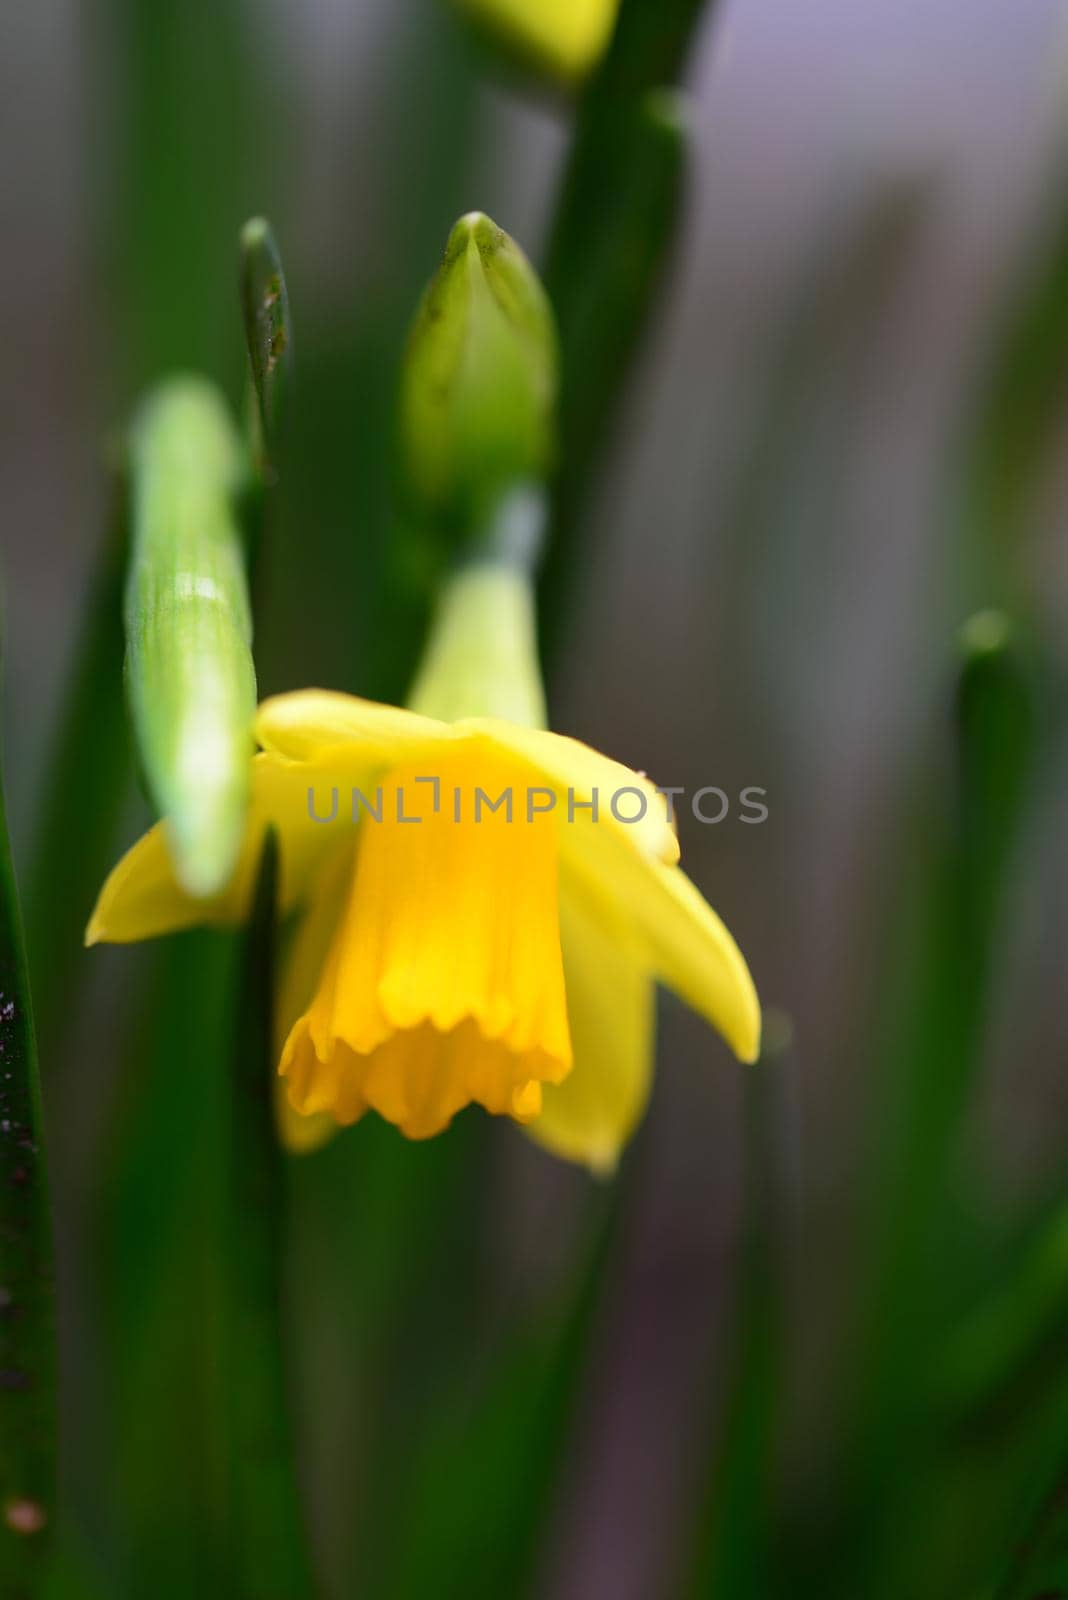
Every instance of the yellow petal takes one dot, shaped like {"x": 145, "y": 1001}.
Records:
{"x": 444, "y": 983}
{"x": 610, "y": 1006}
{"x": 337, "y": 733}
{"x": 315, "y": 725}
{"x": 300, "y": 968}
{"x": 142, "y": 898}
{"x": 627, "y": 803}
{"x": 567, "y": 37}
{"x": 678, "y": 937}
{"x": 299, "y": 1134}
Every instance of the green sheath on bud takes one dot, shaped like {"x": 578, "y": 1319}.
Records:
{"x": 480, "y": 379}
{"x": 189, "y": 668}
{"x": 265, "y": 308}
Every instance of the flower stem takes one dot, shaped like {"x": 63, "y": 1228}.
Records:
{"x": 481, "y": 657}
{"x": 615, "y": 223}
{"x": 268, "y": 1549}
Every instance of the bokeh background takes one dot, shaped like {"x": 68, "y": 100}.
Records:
{"x": 842, "y": 436}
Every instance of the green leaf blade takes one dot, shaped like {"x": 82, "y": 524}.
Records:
{"x": 27, "y": 1314}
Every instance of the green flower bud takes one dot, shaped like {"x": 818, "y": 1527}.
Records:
{"x": 563, "y": 39}
{"x": 189, "y": 671}
{"x": 480, "y": 380}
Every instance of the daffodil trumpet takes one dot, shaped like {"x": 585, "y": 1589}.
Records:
{"x": 448, "y": 950}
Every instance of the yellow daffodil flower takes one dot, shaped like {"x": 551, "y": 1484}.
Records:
{"x": 488, "y": 930}
{"x": 564, "y": 38}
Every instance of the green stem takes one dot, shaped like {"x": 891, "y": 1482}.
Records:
{"x": 650, "y": 47}
{"x": 931, "y": 1072}
{"x": 268, "y": 1546}
{"x": 615, "y": 222}
{"x": 27, "y": 1314}
{"x": 481, "y": 656}
{"x": 87, "y": 782}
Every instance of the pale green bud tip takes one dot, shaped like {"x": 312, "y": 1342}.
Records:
{"x": 987, "y": 633}
{"x": 185, "y": 424}
{"x": 480, "y": 378}
{"x": 256, "y": 234}
{"x": 671, "y": 111}
{"x": 265, "y": 307}
{"x": 189, "y": 670}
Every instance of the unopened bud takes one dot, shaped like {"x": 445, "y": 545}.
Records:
{"x": 480, "y": 380}
{"x": 189, "y": 669}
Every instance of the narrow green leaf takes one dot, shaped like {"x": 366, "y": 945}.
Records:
{"x": 1018, "y": 1327}
{"x": 189, "y": 669}
{"x": 160, "y": 1253}
{"x": 27, "y": 1314}
{"x": 930, "y": 1074}
{"x": 268, "y": 336}
{"x": 363, "y": 1298}
{"x": 491, "y": 1447}
{"x": 1040, "y": 1571}
{"x": 88, "y": 777}
{"x": 734, "y": 1552}
{"x": 997, "y": 713}
{"x": 1020, "y": 410}
{"x": 938, "y": 1056}
{"x": 190, "y": 144}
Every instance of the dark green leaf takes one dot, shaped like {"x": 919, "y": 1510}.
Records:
{"x": 490, "y": 1450}
{"x": 734, "y": 1554}
{"x": 266, "y": 1527}
{"x": 88, "y": 778}
{"x": 27, "y": 1311}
